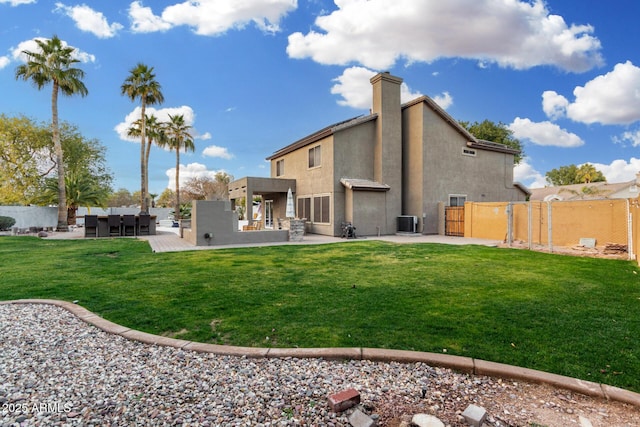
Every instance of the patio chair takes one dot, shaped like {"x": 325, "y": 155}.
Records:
{"x": 114, "y": 226}
{"x": 144, "y": 222}
{"x": 128, "y": 225}
{"x": 91, "y": 226}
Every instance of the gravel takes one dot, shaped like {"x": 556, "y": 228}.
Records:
{"x": 56, "y": 370}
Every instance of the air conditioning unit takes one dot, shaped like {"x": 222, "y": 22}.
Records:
{"x": 407, "y": 223}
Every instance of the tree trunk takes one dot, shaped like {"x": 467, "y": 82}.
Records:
{"x": 72, "y": 215}
{"x": 177, "y": 215}
{"x": 57, "y": 146}
{"x": 148, "y": 201}
{"x": 144, "y": 208}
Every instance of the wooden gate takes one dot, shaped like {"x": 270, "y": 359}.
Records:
{"x": 454, "y": 221}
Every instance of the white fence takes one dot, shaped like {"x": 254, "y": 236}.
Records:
{"x": 47, "y": 217}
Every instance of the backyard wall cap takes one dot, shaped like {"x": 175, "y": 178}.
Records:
{"x": 457, "y": 363}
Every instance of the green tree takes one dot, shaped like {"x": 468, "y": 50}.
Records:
{"x": 53, "y": 63}
{"x": 81, "y": 189}
{"x": 588, "y": 173}
{"x": 25, "y": 159}
{"x": 166, "y": 198}
{"x": 153, "y": 130}
{"x": 121, "y": 197}
{"x": 85, "y": 158}
{"x": 572, "y": 174}
{"x": 141, "y": 84}
{"x": 500, "y": 133}
{"x": 178, "y": 137}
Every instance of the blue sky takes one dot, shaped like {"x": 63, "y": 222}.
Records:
{"x": 253, "y": 76}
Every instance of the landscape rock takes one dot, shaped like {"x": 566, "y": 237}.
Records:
{"x": 425, "y": 420}
{"x": 474, "y": 415}
{"x": 360, "y": 419}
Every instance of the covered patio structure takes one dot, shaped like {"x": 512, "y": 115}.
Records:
{"x": 274, "y": 197}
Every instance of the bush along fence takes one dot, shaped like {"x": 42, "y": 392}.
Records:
{"x": 607, "y": 225}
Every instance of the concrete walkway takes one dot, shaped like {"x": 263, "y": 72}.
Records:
{"x": 167, "y": 240}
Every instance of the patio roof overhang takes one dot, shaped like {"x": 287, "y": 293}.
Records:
{"x": 255, "y": 185}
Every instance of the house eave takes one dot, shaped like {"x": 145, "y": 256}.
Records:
{"x": 321, "y": 134}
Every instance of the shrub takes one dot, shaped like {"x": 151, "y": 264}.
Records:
{"x": 6, "y": 222}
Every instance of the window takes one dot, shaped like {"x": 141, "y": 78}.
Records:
{"x": 321, "y": 212}
{"x": 280, "y": 167}
{"x": 314, "y": 157}
{"x": 468, "y": 152}
{"x": 304, "y": 207}
{"x": 457, "y": 200}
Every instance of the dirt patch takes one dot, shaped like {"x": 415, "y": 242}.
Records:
{"x": 510, "y": 403}
{"x": 577, "y": 250}
{"x": 171, "y": 334}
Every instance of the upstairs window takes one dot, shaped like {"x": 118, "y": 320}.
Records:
{"x": 280, "y": 167}
{"x": 314, "y": 157}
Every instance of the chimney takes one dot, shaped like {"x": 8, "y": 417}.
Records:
{"x": 387, "y": 166}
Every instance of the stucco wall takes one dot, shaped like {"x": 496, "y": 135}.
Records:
{"x": 31, "y": 216}
{"x": 312, "y": 182}
{"x": 446, "y": 171}
{"x": 43, "y": 216}
{"x": 214, "y": 223}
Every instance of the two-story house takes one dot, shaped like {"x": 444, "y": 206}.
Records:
{"x": 402, "y": 160}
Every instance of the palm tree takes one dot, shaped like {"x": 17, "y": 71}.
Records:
{"x": 141, "y": 84}
{"x": 81, "y": 189}
{"x": 154, "y": 132}
{"x": 177, "y": 137}
{"x": 53, "y": 63}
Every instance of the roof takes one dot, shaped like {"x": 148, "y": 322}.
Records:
{"x": 473, "y": 142}
{"x": 363, "y": 184}
{"x": 590, "y": 190}
{"x": 321, "y": 134}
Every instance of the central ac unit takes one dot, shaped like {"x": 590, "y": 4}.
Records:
{"x": 407, "y": 223}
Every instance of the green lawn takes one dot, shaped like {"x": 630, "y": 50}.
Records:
{"x": 573, "y": 316}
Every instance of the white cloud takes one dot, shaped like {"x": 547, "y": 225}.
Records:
{"x": 89, "y": 20}
{"x": 554, "y": 105}
{"x": 144, "y": 21}
{"x": 204, "y": 136}
{"x": 619, "y": 170}
{"x": 4, "y": 61}
{"x": 17, "y": 2}
{"x": 192, "y": 170}
{"x": 445, "y": 100}
{"x": 215, "y": 151}
{"x": 32, "y": 46}
{"x": 630, "y": 136}
{"x": 526, "y": 174}
{"x": 354, "y": 87}
{"x": 161, "y": 114}
{"x": 612, "y": 98}
{"x": 544, "y": 133}
{"x": 511, "y": 33}
{"x": 213, "y": 17}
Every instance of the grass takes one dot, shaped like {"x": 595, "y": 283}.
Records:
{"x": 572, "y": 316}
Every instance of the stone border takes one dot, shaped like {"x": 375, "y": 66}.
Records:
{"x": 457, "y": 363}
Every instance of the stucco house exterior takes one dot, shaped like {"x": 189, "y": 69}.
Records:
{"x": 402, "y": 160}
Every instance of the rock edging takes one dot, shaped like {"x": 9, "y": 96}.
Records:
{"x": 457, "y": 363}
